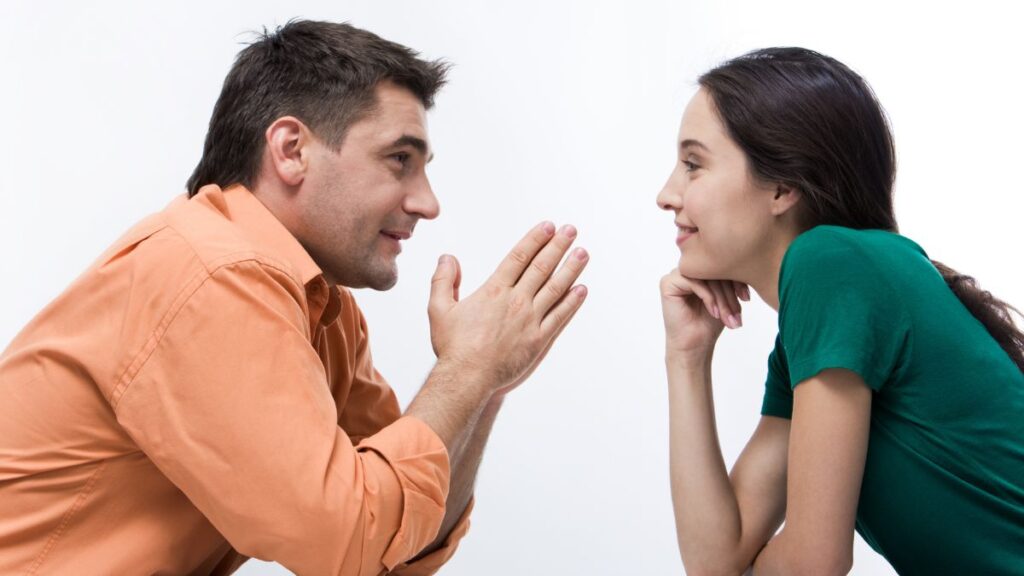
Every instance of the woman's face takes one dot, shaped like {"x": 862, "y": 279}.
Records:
{"x": 725, "y": 218}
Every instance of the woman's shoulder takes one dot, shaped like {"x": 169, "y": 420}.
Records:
{"x": 831, "y": 259}
{"x": 830, "y": 246}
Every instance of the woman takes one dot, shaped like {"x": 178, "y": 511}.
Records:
{"x": 894, "y": 402}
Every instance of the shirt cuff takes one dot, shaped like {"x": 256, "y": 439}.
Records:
{"x": 419, "y": 460}
{"x": 430, "y": 563}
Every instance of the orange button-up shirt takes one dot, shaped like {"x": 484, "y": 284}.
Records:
{"x": 199, "y": 395}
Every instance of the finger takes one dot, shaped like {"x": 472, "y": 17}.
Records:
{"x": 735, "y": 292}
{"x": 728, "y": 304}
{"x": 731, "y": 294}
{"x": 458, "y": 279}
{"x": 719, "y": 308}
{"x": 722, "y": 302}
{"x": 556, "y": 287}
{"x": 546, "y": 261}
{"x": 727, "y": 301}
{"x": 558, "y": 332}
{"x": 444, "y": 284}
{"x": 742, "y": 291}
{"x": 512, "y": 267}
{"x": 559, "y": 316}
{"x": 551, "y": 338}
{"x": 676, "y": 285}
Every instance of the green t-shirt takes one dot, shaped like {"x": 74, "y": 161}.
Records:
{"x": 943, "y": 488}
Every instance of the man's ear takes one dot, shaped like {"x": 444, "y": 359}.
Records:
{"x": 786, "y": 197}
{"x": 288, "y": 149}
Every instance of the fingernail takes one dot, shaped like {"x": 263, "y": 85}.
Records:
{"x": 444, "y": 259}
{"x": 746, "y": 293}
{"x": 580, "y": 290}
{"x": 569, "y": 230}
{"x": 735, "y": 321}
{"x": 548, "y": 228}
{"x": 580, "y": 254}
{"x": 715, "y": 312}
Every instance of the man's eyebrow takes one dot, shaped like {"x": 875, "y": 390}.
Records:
{"x": 691, "y": 143}
{"x": 415, "y": 141}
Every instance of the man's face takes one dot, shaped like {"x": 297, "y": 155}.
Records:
{"x": 360, "y": 202}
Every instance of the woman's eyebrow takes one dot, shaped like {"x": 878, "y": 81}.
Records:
{"x": 691, "y": 143}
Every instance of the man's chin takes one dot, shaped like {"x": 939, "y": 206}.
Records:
{"x": 380, "y": 280}
{"x": 385, "y": 285}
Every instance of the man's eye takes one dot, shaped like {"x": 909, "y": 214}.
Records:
{"x": 402, "y": 157}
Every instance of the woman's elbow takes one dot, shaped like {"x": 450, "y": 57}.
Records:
{"x": 714, "y": 564}
{"x": 807, "y": 563}
{"x": 833, "y": 566}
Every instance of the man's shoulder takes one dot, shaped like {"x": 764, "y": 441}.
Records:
{"x": 197, "y": 231}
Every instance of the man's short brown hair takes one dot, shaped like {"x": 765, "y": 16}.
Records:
{"x": 323, "y": 73}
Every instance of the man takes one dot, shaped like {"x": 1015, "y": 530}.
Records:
{"x": 204, "y": 392}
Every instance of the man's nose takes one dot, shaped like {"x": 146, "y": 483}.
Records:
{"x": 423, "y": 202}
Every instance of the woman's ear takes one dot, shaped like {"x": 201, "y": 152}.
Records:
{"x": 786, "y": 197}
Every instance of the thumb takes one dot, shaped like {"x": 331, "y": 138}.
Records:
{"x": 458, "y": 278}
{"x": 444, "y": 285}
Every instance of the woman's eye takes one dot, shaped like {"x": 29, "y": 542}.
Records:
{"x": 690, "y": 166}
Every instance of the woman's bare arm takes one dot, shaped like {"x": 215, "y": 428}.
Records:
{"x": 827, "y": 449}
{"x": 722, "y": 520}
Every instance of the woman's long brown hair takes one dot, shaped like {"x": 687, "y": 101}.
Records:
{"x": 808, "y": 121}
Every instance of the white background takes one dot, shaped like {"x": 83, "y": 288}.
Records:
{"x": 561, "y": 111}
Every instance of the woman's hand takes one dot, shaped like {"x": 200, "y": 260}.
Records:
{"x": 695, "y": 311}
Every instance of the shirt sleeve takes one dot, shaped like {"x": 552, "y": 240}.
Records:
{"x": 778, "y": 395}
{"x": 838, "y": 311}
{"x": 231, "y": 403}
{"x": 371, "y": 405}
{"x": 432, "y": 562}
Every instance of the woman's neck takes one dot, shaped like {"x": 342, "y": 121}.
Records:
{"x": 765, "y": 281}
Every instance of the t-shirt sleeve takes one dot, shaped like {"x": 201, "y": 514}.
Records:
{"x": 778, "y": 396}
{"x": 838, "y": 310}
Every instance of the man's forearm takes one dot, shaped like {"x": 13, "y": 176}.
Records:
{"x": 464, "y": 469}
{"x": 462, "y": 414}
{"x": 450, "y": 402}
{"x": 465, "y": 463}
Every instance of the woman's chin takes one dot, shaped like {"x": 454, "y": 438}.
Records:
{"x": 690, "y": 269}
{"x": 694, "y": 270}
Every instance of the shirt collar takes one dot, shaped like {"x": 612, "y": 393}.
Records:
{"x": 263, "y": 229}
